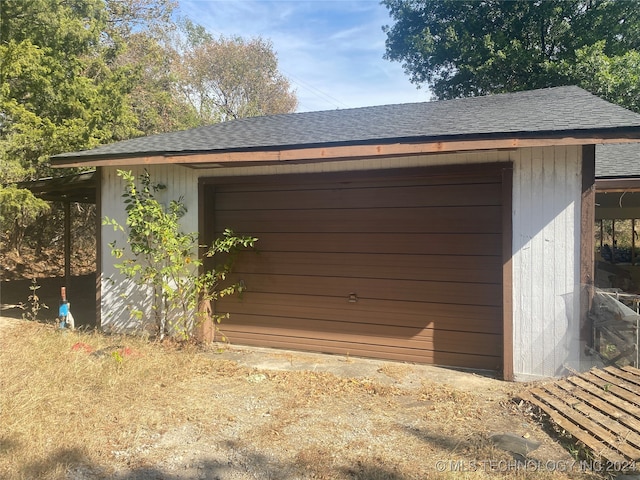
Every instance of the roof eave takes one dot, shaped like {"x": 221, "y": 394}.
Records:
{"x": 358, "y": 149}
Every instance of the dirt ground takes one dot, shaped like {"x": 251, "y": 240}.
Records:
{"x": 248, "y": 413}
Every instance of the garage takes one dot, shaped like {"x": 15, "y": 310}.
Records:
{"x": 398, "y": 264}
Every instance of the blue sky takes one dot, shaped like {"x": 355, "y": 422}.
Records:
{"x": 331, "y": 50}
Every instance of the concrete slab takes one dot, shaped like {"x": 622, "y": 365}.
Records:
{"x": 402, "y": 374}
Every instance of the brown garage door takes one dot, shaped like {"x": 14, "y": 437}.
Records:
{"x": 403, "y": 265}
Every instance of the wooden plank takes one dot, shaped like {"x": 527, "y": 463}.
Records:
{"x": 599, "y": 448}
{"x": 612, "y": 388}
{"x": 603, "y": 406}
{"x": 628, "y": 376}
{"x": 332, "y": 153}
{"x": 618, "y": 382}
{"x": 630, "y": 369}
{"x": 470, "y": 219}
{"x": 580, "y": 422}
{"x": 606, "y": 395}
{"x": 620, "y": 437}
{"x": 587, "y": 241}
{"x": 507, "y": 273}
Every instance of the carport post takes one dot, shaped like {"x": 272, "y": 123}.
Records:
{"x": 67, "y": 242}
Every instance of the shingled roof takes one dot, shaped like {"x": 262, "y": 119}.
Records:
{"x": 618, "y": 160}
{"x": 536, "y": 113}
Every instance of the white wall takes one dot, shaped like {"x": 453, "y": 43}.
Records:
{"x": 546, "y": 216}
{"x": 546, "y": 267}
{"x": 119, "y": 294}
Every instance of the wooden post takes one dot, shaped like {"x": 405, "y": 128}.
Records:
{"x": 633, "y": 241}
{"x": 67, "y": 242}
{"x": 613, "y": 241}
{"x": 587, "y": 241}
{"x": 601, "y": 234}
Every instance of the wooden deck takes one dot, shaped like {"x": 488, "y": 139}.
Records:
{"x": 601, "y": 408}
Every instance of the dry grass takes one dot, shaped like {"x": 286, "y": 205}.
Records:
{"x": 62, "y": 405}
{"x": 76, "y": 405}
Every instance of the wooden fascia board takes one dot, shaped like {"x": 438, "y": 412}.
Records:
{"x": 618, "y": 185}
{"x": 343, "y": 152}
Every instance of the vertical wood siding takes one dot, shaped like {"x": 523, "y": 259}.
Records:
{"x": 118, "y": 294}
{"x": 546, "y": 249}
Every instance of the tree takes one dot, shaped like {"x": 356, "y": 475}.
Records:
{"x": 468, "y": 48}
{"x": 614, "y": 78}
{"x": 18, "y": 209}
{"x": 82, "y": 73}
{"x": 57, "y": 92}
{"x": 70, "y": 79}
{"x": 229, "y": 78}
{"x": 142, "y": 33}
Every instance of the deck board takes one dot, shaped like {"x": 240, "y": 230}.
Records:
{"x": 600, "y": 408}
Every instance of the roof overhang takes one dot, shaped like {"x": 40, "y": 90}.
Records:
{"x": 370, "y": 149}
{"x": 80, "y": 188}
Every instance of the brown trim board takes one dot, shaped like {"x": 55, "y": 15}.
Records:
{"x": 587, "y": 239}
{"x": 507, "y": 274}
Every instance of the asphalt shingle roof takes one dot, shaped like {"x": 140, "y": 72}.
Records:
{"x": 530, "y": 112}
{"x": 618, "y": 160}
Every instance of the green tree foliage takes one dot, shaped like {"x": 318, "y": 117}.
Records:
{"x": 468, "y": 48}
{"x": 614, "y": 78}
{"x": 57, "y": 91}
{"x": 77, "y": 74}
{"x": 165, "y": 260}
{"x": 60, "y": 90}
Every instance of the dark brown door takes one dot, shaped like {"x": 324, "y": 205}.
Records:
{"x": 398, "y": 265}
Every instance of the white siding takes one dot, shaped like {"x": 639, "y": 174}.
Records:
{"x": 546, "y": 215}
{"x": 546, "y": 251}
{"x": 119, "y": 294}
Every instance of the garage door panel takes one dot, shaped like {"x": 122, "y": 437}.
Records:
{"x": 475, "y": 219}
{"x": 468, "y": 318}
{"x": 401, "y": 353}
{"x": 381, "y": 243}
{"x": 387, "y": 335}
{"x": 407, "y": 290}
{"x": 359, "y": 197}
{"x": 352, "y": 182}
{"x": 475, "y": 269}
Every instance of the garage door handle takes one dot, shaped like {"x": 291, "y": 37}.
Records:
{"x": 353, "y": 298}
